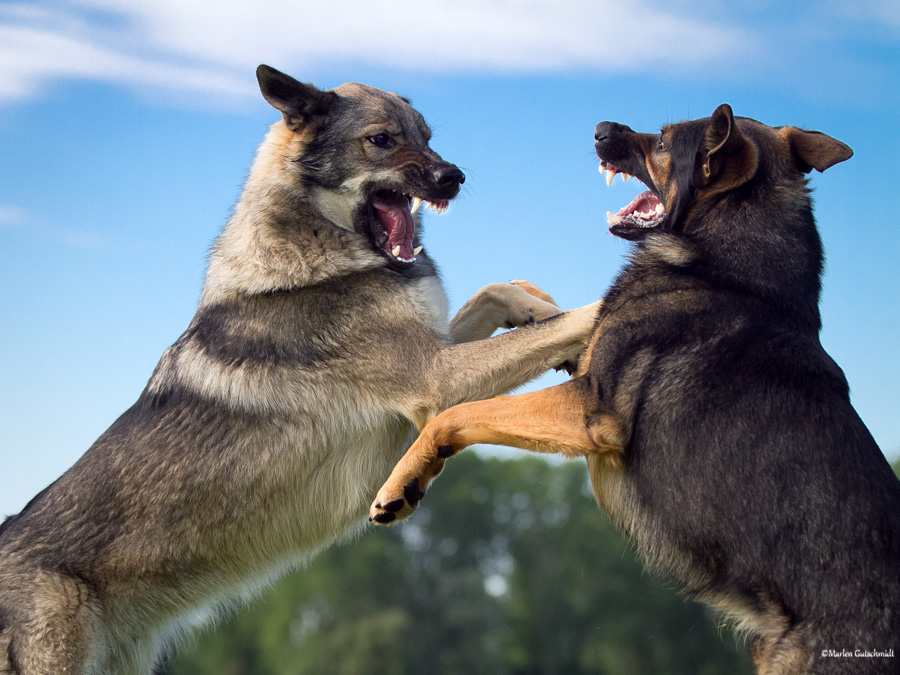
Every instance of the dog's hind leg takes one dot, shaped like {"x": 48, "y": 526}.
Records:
{"x": 553, "y": 420}
{"x": 53, "y": 633}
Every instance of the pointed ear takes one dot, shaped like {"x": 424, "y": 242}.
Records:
{"x": 720, "y": 140}
{"x": 726, "y": 155}
{"x": 301, "y": 104}
{"x": 815, "y": 150}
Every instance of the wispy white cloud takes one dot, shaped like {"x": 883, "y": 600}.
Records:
{"x": 41, "y": 44}
{"x": 429, "y": 34}
{"x": 209, "y": 48}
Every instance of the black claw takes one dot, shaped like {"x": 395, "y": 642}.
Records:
{"x": 384, "y": 518}
{"x": 412, "y": 492}
{"x": 445, "y": 451}
{"x": 569, "y": 366}
{"x": 394, "y": 506}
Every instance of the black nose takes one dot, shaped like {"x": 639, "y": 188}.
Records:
{"x": 449, "y": 175}
{"x": 605, "y": 130}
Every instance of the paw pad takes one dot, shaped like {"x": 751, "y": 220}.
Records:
{"x": 412, "y": 492}
{"x": 393, "y": 506}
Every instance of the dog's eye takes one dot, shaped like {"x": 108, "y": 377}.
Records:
{"x": 661, "y": 146}
{"x": 380, "y": 140}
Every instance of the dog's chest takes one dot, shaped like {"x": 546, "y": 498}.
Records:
{"x": 429, "y": 298}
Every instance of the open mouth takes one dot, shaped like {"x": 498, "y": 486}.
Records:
{"x": 392, "y": 225}
{"x": 644, "y": 214}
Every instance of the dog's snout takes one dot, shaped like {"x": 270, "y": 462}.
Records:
{"x": 449, "y": 175}
{"x": 606, "y": 130}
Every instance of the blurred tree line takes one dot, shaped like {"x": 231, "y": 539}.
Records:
{"x": 508, "y": 567}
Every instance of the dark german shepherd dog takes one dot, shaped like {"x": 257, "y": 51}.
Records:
{"x": 718, "y": 433}
{"x": 320, "y": 345}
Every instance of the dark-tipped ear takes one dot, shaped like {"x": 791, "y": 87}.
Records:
{"x": 301, "y": 104}
{"x": 726, "y": 155}
{"x": 815, "y": 150}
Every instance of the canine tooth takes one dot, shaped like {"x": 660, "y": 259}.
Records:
{"x": 610, "y": 174}
{"x": 625, "y": 177}
{"x": 414, "y": 204}
{"x": 612, "y": 218}
{"x": 659, "y": 208}
{"x": 396, "y": 252}
{"x": 417, "y": 250}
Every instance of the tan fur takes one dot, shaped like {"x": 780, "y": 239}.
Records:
{"x": 552, "y": 420}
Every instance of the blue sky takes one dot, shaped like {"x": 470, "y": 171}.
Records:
{"x": 127, "y": 126}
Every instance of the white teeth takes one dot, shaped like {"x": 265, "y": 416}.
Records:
{"x": 613, "y": 219}
{"x": 437, "y": 208}
{"x": 396, "y": 253}
{"x": 624, "y": 177}
{"x": 659, "y": 208}
{"x": 414, "y": 204}
{"x": 609, "y": 177}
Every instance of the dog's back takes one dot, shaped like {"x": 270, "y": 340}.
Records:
{"x": 748, "y": 476}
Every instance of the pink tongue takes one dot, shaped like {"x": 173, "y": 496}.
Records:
{"x": 646, "y": 201}
{"x": 397, "y": 223}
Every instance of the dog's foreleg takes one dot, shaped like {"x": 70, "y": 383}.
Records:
{"x": 481, "y": 369}
{"x": 553, "y": 420}
{"x": 494, "y": 306}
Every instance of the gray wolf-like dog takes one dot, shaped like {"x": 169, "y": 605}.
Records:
{"x": 319, "y": 348}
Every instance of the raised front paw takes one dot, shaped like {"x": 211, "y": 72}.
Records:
{"x": 405, "y": 487}
{"x": 523, "y": 303}
{"x": 395, "y": 503}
